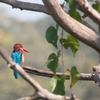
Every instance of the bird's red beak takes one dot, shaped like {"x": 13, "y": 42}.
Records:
{"x": 25, "y": 50}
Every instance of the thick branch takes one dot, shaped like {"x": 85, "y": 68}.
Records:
{"x": 70, "y": 25}
{"x": 85, "y": 7}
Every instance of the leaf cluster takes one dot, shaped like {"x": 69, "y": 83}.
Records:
{"x": 57, "y": 83}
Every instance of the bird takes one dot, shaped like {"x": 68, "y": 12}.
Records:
{"x": 17, "y": 56}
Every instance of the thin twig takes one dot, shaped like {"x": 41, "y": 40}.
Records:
{"x": 35, "y": 71}
{"x": 62, "y": 51}
{"x": 99, "y": 36}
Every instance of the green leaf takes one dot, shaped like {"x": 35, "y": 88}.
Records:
{"x": 74, "y": 76}
{"x": 52, "y": 36}
{"x": 75, "y": 15}
{"x": 72, "y": 5}
{"x": 96, "y": 7}
{"x": 99, "y": 7}
{"x": 52, "y": 62}
{"x": 59, "y": 53}
{"x": 57, "y": 84}
{"x": 70, "y": 42}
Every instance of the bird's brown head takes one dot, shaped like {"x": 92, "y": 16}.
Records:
{"x": 18, "y": 47}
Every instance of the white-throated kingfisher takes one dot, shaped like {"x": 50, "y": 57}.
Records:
{"x": 18, "y": 56}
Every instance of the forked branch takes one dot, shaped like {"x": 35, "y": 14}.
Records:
{"x": 71, "y": 26}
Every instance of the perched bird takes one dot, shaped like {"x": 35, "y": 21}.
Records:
{"x": 18, "y": 56}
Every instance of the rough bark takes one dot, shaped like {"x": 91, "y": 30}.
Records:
{"x": 73, "y": 27}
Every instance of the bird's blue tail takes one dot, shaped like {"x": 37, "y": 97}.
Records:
{"x": 16, "y": 74}
{"x": 16, "y": 56}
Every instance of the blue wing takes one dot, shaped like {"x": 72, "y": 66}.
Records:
{"x": 16, "y": 56}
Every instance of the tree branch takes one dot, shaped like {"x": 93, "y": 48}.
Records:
{"x": 73, "y": 97}
{"x": 31, "y": 70}
{"x": 73, "y": 27}
{"x": 26, "y": 6}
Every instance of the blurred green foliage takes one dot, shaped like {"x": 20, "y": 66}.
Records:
{"x": 32, "y": 36}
